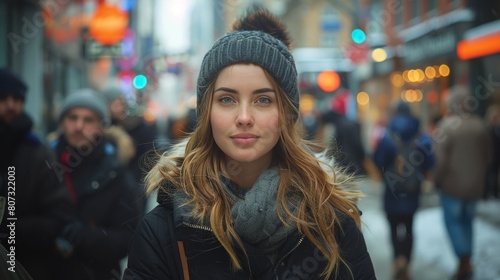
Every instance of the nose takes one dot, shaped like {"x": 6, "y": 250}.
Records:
{"x": 245, "y": 116}
{"x": 79, "y": 124}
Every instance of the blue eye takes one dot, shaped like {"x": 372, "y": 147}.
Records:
{"x": 225, "y": 99}
{"x": 264, "y": 100}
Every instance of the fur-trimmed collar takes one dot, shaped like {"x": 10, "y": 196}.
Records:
{"x": 347, "y": 182}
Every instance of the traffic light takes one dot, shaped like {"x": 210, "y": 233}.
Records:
{"x": 140, "y": 81}
{"x": 358, "y": 36}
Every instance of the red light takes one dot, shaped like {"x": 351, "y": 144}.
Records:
{"x": 432, "y": 97}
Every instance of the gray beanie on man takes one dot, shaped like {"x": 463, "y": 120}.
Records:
{"x": 255, "y": 47}
{"x": 86, "y": 98}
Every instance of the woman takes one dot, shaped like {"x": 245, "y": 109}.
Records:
{"x": 243, "y": 197}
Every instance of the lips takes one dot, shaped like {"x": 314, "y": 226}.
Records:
{"x": 244, "y": 138}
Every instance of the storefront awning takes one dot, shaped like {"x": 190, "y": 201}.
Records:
{"x": 480, "y": 41}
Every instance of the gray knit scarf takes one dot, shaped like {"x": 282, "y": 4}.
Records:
{"x": 255, "y": 218}
{"x": 254, "y": 215}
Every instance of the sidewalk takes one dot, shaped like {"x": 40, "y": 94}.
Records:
{"x": 433, "y": 257}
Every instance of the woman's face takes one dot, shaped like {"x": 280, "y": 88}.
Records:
{"x": 244, "y": 114}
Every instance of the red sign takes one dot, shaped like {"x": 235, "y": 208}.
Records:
{"x": 109, "y": 24}
{"x": 357, "y": 53}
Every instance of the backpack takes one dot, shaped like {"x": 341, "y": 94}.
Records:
{"x": 404, "y": 175}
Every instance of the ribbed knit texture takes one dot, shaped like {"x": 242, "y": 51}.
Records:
{"x": 255, "y": 47}
{"x": 255, "y": 218}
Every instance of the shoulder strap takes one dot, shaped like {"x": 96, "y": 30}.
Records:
{"x": 399, "y": 142}
{"x": 180, "y": 259}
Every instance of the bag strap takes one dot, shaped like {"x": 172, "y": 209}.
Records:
{"x": 396, "y": 139}
{"x": 181, "y": 265}
{"x": 182, "y": 254}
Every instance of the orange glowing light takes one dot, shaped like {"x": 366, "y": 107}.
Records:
{"x": 328, "y": 81}
{"x": 478, "y": 47}
{"x": 108, "y": 25}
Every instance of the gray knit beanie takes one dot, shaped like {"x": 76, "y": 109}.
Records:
{"x": 86, "y": 98}
{"x": 250, "y": 46}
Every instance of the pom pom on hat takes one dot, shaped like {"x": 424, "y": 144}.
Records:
{"x": 262, "y": 20}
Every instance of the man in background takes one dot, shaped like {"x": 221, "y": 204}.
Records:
{"x": 41, "y": 203}
{"x": 107, "y": 202}
{"x": 143, "y": 134}
{"x": 346, "y": 143}
{"x": 463, "y": 152}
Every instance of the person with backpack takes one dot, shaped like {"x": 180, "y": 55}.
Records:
{"x": 404, "y": 157}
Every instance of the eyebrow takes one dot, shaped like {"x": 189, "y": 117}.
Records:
{"x": 230, "y": 90}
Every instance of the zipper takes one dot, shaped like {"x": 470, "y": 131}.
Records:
{"x": 197, "y": 226}
{"x": 277, "y": 264}
{"x": 286, "y": 255}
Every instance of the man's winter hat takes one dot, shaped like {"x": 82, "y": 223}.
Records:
{"x": 86, "y": 98}
{"x": 258, "y": 38}
{"x": 10, "y": 83}
{"x": 113, "y": 93}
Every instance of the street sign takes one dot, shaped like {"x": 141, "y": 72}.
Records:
{"x": 95, "y": 50}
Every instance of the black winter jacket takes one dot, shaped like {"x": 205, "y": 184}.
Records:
{"x": 108, "y": 206}
{"x": 42, "y": 204}
{"x": 152, "y": 254}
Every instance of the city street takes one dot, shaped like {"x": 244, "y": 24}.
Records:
{"x": 433, "y": 257}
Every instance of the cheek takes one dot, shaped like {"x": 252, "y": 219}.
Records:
{"x": 218, "y": 122}
{"x": 271, "y": 124}
{"x": 215, "y": 124}
{"x": 19, "y": 107}
{"x": 63, "y": 126}
{"x": 92, "y": 130}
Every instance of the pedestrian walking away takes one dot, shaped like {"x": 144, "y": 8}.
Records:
{"x": 405, "y": 158}
{"x": 463, "y": 154}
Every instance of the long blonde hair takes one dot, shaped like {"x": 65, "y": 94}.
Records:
{"x": 197, "y": 173}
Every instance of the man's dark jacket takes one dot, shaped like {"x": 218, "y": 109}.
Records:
{"x": 42, "y": 204}
{"x": 107, "y": 204}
